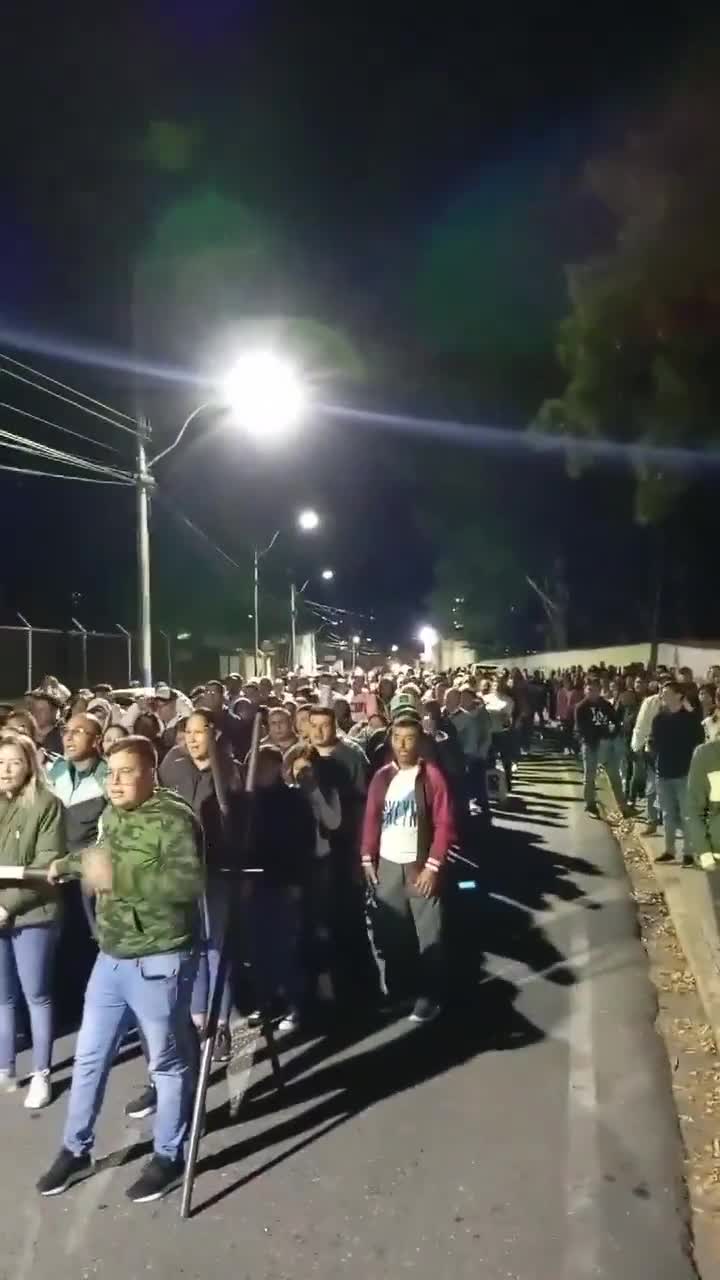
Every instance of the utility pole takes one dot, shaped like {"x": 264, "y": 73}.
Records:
{"x": 143, "y": 484}
{"x": 293, "y": 627}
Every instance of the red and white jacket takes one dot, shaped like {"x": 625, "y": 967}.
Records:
{"x": 436, "y": 818}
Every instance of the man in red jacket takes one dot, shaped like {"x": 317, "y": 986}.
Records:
{"x": 409, "y": 827}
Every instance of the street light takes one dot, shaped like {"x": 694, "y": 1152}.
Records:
{"x": 266, "y": 396}
{"x": 429, "y": 638}
{"x": 327, "y": 575}
{"x": 394, "y": 648}
{"x": 308, "y": 520}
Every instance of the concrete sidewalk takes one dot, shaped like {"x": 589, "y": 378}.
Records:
{"x": 689, "y": 900}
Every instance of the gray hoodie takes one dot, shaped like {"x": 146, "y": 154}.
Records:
{"x": 474, "y": 731}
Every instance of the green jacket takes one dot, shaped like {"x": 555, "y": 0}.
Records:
{"x": 31, "y": 835}
{"x": 703, "y": 800}
{"x": 157, "y": 873}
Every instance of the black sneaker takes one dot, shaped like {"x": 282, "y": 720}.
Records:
{"x": 223, "y": 1045}
{"x": 593, "y": 809}
{"x": 425, "y": 1011}
{"x": 665, "y": 857}
{"x": 688, "y": 860}
{"x": 159, "y": 1176}
{"x": 64, "y": 1171}
{"x": 143, "y": 1106}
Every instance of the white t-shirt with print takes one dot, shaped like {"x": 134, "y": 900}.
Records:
{"x": 399, "y": 833}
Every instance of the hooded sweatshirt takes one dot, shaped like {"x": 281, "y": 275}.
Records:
{"x": 703, "y": 800}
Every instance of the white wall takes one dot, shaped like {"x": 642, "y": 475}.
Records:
{"x": 699, "y": 657}
{"x": 619, "y": 655}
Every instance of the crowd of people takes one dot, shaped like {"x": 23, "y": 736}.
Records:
{"x": 311, "y": 817}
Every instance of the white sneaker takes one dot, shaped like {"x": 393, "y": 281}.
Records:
{"x": 290, "y": 1022}
{"x": 8, "y": 1082}
{"x": 40, "y": 1092}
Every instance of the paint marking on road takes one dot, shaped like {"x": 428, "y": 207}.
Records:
{"x": 90, "y": 1193}
{"x": 582, "y": 1178}
{"x": 25, "y": 1265}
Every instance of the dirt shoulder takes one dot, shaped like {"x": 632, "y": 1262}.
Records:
{"x": 693, "y": 1054}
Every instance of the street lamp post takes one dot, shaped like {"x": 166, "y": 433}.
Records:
{"x": 266, "y": 396}
{"x": 143, "y": 484}
{"x": 327, "y": 575}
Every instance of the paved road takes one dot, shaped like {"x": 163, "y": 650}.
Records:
{"x": 531, "y": 1135}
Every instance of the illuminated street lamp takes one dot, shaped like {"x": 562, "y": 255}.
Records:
{"x": 266, "y": 396}
{"x": 429, "y": 638}
{"x": 328, "y": 575}
{"x": 308, "y": 520}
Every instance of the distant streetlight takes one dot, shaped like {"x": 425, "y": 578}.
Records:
{"x": 429, "y": 638}
{"x": 328, "y": 575}
{"x": 394, "y": 648}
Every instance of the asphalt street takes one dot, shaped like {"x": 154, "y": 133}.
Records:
{"x": 528, "y": 1135}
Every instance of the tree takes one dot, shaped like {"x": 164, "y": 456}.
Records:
{"x": 501, "y": 581}
{"x": 641, "y": 346}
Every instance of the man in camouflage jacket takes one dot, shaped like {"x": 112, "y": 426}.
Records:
{"x": 147, "y": 875}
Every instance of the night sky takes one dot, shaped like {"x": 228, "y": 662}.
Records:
{"x": 408, "y": 175}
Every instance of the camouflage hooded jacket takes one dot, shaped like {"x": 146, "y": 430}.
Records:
{"x": 156, "y": 853}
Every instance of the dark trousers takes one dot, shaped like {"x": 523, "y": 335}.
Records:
{"x": 406, "y": 934}
{"x": 476, "y": 783}
{"x": 503, "y": 745}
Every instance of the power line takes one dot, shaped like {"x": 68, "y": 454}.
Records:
{"x": 67, "y": 431}
{"x": 55, "y": 381}
{"x": 58, "y": 475}
{"x": 9, "y": 440}
{"x": 200, "y": 533}
{"x": 10, "y": 373}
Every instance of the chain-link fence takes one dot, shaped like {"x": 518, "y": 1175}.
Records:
{"x": 77, "y": 657}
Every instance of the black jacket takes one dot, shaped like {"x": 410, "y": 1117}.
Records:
{"x": 595, "y": 721}
{"x": 674, "y": 737}
{"x": 282, "y": 839}
{"x": 222, "y": 839}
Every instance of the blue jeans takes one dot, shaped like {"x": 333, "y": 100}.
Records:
{"x": 215, "y": 916}
{"x": 651, "y": 790}
{"x": 153, "y": 993}
{"x": 602, "y": 754}
{"x": 672, "y": 794}
{"x": 26, "y": 964}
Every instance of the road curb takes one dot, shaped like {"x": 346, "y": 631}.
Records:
{"x": 688, "y": 899}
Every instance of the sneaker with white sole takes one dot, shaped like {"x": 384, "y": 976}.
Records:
{"x": 144, "y": 1105}
{"x": 65, "y": 1170}
{"x": 159, "y": 1176}
{"x": 39, "y": 1094}
{"x": 291, "y": 1021}
{"x": 8, "y": 1082}
{"x": 425, "y": 1011}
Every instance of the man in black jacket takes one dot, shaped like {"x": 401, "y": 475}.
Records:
{"x": 676, "y": 732}
{"x": 283, "y": 844}
{"x": 596, "y": 722}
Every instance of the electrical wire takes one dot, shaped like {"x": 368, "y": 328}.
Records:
{"x": 58, "y": 475}
{"x": 200, "y": 533}
{"x": 9, "y": 440}
{"x": 10, "y": 373}
{"x": 73, "y": 390}
{"x": 66, "y": 430}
